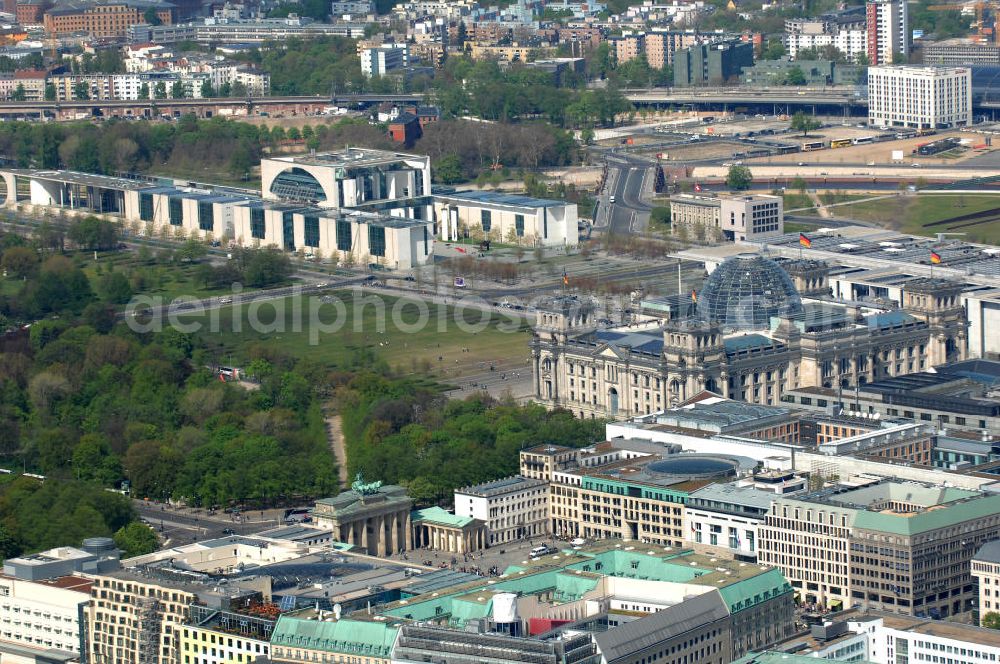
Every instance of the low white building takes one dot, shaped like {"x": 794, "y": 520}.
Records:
{"x": 732, "y": 217}
{"x": 851, "y": 42}
{"x": 514, "y": 508}
{"x": 355, "y": 237}
{"x": 920, "y": 97}
{"x": 38, "y": 617}
{"x": 724, "y": 518}
{"x": 509, "y": 218}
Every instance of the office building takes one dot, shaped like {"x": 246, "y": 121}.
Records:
{"x": 724, "y": 519}
{"x": 107, "y": 19}
{"x": 902, "y": 547}
{"x": 735, "y": 218}
{"x": 154, "y": 609}
{"x": 380, "y": 60}
{"x": 711, "y": 64}
{"x": 43, "y": 619}
{"x": 96, "y": 555}
{"x": 960, "y": 52}
{"x": 513, "y": 508}
{"x": 888, "y": 28}
{"x": 509, "y": 218}
{"x": 213, "y": 636}
{"x": 986, "y": 571}
{"x": 297, "y": 639}
{"x": 752, "y": 339}
{"x": 920, "y": 97}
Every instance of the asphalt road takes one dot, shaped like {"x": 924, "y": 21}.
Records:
{"x": 182, "y": 526}
{"x": 627, "y": 178}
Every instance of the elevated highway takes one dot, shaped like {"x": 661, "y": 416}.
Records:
{"x": 152, "y": 108}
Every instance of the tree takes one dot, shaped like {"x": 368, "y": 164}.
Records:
{"x": 238, "y": 89}
{"x": 795, "y": 76}
{"x": 50, "y": 92}
{"x": 150, "y": 16}
{"x": 177, "y": 90}
{"x": 81, "y": 91}
{"x": 93, "y": 233}
{"x": 991, "y": 620}
{"x": 448, "y": 169}
{"x": 739, "y": 178}
{"x": 136, "y": 539}
{"x": 799, "y": 184}
{"x": 20, "y": 262}
{"x": 160, "y": 91}
{"x": 144, "y": 91}
{"x": 587, "y": 135}
{"x": 774, "y": 50}
{"x": 192, "y": 251}
{"x": 206, "y": 89}
{"x": 804, "y": 123}
{"x": 114, "y": 287}
{"x": 19, "y": 94}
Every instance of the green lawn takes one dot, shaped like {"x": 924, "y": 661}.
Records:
{"x": 833, "y": 197}
{"x": 912, "y": 214}
{"x": 798, "y": 201}
{"x": 168, "y": 281}
{"x": 442, "y": 346}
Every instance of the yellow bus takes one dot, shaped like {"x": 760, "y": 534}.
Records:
{"x": 841, "y": 143}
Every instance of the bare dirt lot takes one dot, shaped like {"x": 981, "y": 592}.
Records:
{"x": 879, "y": 153}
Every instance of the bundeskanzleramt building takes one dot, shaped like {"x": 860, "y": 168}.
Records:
{"x": 892, "y": 546}
{"x": 920, "y": 97}
{"x": 507, "y": 218}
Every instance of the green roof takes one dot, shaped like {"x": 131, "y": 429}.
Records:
{"x": 753, "y": 590}
{"x": 441, "y": 517}
{"x": 355, "y": 637}
{"x": 932, "y": 519}
{"x": 640, "y": 565}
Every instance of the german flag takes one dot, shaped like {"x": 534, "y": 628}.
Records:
{"x": 805, "y": 241}
{"x": 694, "y": 296}
{"x": 935, "y": 257}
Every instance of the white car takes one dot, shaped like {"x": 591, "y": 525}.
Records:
{"x": 579, "y": 541}
{"x": 611, "y": 199}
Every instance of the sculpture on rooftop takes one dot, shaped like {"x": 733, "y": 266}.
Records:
{"x": 363, "y": 488}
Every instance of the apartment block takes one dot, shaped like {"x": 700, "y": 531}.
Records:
{"x": 888, "y": 30}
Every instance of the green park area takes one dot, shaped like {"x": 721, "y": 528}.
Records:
{"x": 927, "y": 214}
{"x": 410, "y": 337}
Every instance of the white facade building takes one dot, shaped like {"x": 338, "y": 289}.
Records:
{"x": 850, "y": 42}
{"x": 724, "y": 518}
{"x": 920, "y": 97}
{"x": 380, "y": 60}
{"x": 43, "y": 615}
{"x": 507, "y": 218}
{"x": 514, "y": 508}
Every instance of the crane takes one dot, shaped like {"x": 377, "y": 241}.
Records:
{"x": 983, "y": 32}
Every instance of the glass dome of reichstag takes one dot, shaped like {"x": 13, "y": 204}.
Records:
{"x": 745, "y": 291}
